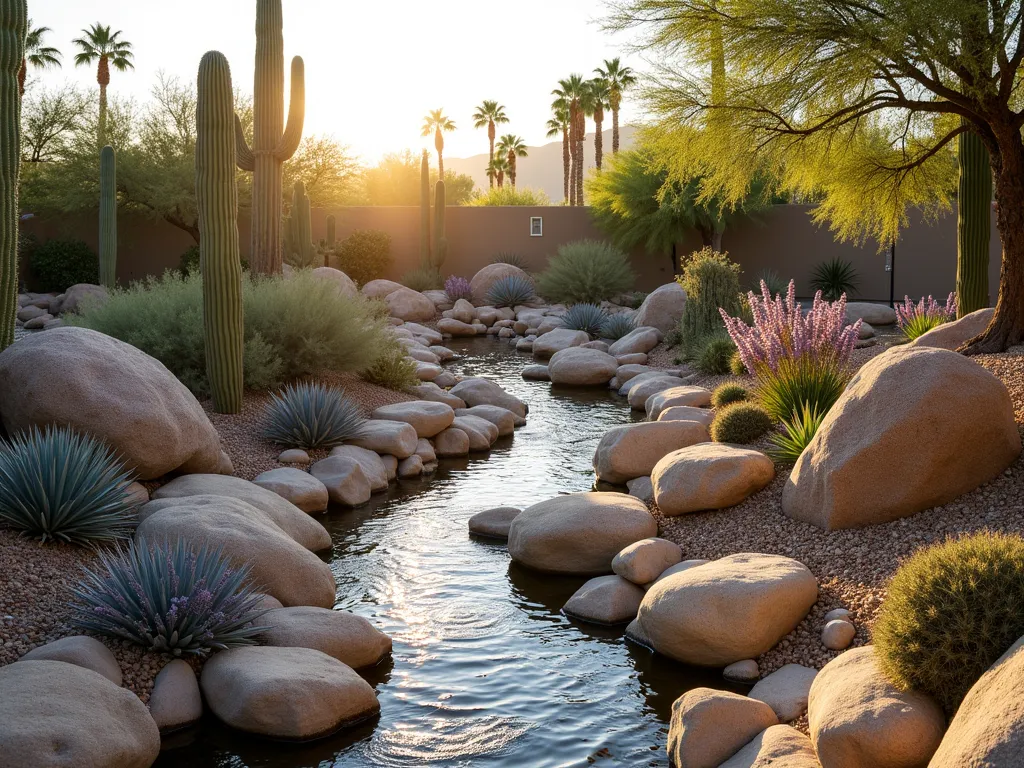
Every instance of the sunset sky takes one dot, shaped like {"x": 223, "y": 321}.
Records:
{"x": 373, "y": 69}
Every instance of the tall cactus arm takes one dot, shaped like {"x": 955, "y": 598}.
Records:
{"x": 13, "y": 25}
{"x": 244, "y": 157}
{"x": 296, "y": 113}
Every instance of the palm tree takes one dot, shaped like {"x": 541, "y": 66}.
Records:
{"x": 36, "y": 54}
{"x": 575, "y": 93}
{"x": 600, "y": 100}
{"x": 497, "y": 168}
{"x": 435, "y": 122}
{"x": 101, "y": 45}
{"x": 489, "y": 113}
{"x": 559, "y": 124}
{"x": 620, "y": 79}
{"x": 512, "y": 147}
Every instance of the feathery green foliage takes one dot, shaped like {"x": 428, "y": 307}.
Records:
{"x": 177, "y": 598}
{"x": 311, "y": 415}
{"x": 711, "y": 282}
{"x": 834, "y": 278}
{"x": 728, "y": 393}
{"x": 56, "y": 265}
{"x": 585, "y": 317}
{"x": 713, "y": 353}
{"x": 950, "y": 612}
{"x": 422, "y": 279}
{"x": 586, "y": 271}
{"x": 618, "y": 325}
{"x": 509, "y": 196}
{"x": 798, "y": 431}
{"x": 393, "y": 368}
{"x": 741, "y": 423}
{"x": 57, "y": 484}
{"x": 510, "y": 291}
{"x": 364, "y": 255}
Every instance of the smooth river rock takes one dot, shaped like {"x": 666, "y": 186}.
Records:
{"x": 427, "y": 418}
{"x": 384, "y": 436}
{"x": 299, "y": 487}
{"x": 708, "y": 476}
{"x": 634, "y": 450}
{"x": 708, "y": 727}
{"x": 605, "y": 600}
{"x": 349, "y": 638}
{"x": 644, "y": 561}
{"x": 581, "y": 367}
{"x": 82, "y": 651}
{"x": 493, "y": 523}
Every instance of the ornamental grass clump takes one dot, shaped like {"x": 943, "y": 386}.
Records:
{"x": 729, "y": 393}
{"x": 175, "y": 598}
{"x": 584, "y": 317}
{"x": 59, "y": 485}
{"x": 586, "y": 271}
{"x": 741, "y": 423}
{"x": 456, "y": 288}
{"x": 797, "y": 432}
{"x": 311, "y": 415}
{"x": 951, "y": 611}
{"x": 511, "y": 291}
{"x": 795, "y": 358}
{"x": 617, "y": 326}
{"x": 917, "y": 319}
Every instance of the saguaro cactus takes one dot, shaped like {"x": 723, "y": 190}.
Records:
{"x": 425, "y": 210}
{"x": 108, "y": 217}
{"x": 221, "y": 266}
{"x": 299, "y": 230}
{"x": 332, "y": 230}
{"x": 273, "y": 141}
{"x": 13, "y": 27}
{"x": 973, "y": 229}
{"x": 440, "y": 241}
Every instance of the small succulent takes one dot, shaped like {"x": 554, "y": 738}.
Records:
{"x": 510, "y": 291}
{"x": 741, "y": 423}
{"x": 57, "y": 484}
{"x": 729, "y": 393}
{"x": 798, "y": 431}
{"x": 510, "y": 257}
{"x": 172, "y": 598}
{"x": 458, "y": 288}
{"x": 585, "y": 317}
{"x": 311, "y": 415}
{"x": 617, "y": 326}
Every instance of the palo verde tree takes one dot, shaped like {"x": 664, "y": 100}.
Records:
{"x": 855, "y": 101}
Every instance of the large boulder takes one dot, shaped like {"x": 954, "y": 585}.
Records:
{"x": 502, "y": 418}
{"x": 83, "y": 295}
{"x": 687, "y": 413}
{"x": 870, "y": 313}
{"x": 282, "y": 567}
{"x": 479, "y": 391}
{"x": 915, "y": 428}
{"x": 548, "y": 344}
{"x": 581, "y": 367}
{"x": 578, "y": 533}
{"x": 786, "y": 690}
{"x": 285, "y": 515}
{"x": 952, "y": 335}
{"x": 58, "y": 714}
{"x": 371, "y": 462}
{"x": 379, "y": 289}
{"x": 345, "y": 480}
{"x": 780, "y": 746}
{"x": 633, "y": 450}
{"x": 708, "y": 476}
{"x": 285, "y": 693}
{"x": 349, "y": 638}
{"x": 384, "y": 436}
{"x": 488, "y": 276}
{"x": 407, "y": 304}
{"x": 695, "y": 397}
{"x": 493, "y": 523}
{"x": 727, "y": 610}
{"x": 988, "y": 729}
{"x": 663, "y": 308}
{"x": 637, "y": 341}
{"x": 453, "y": 442}
{"x": 176, "y": 701}
{"x": 300, "y": 488}
{"x": 708, "y": 727}
{"x": 605, "y": 600}
{"x": 856, "y": 717}
{"x": 643, "y": 387}
{"x": 342, "y": 281}
{"x": 482, "y": 433}
{"x": 454, "y": 327}
{"x": 426, "y": 417}
{"x": 82, "y": 651}
{"x": 113, "y": 391}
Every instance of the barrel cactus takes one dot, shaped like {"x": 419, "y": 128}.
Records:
{"x": 741, "y": 423}
{"x": 108, "y": 217}
{"x": 219, "y": 261}
{"x": 13, "y": 27}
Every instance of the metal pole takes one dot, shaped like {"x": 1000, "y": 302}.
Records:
{"x": 892, "y": 275}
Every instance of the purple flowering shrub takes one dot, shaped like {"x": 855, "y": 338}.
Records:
{"x": 796, "y": 358}
{"x": 171, "y": 598}
{"x": 457, "y": 288}
{"x": 917, "y": 319}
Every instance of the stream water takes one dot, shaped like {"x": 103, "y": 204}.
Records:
{"x": 485, "y": 669}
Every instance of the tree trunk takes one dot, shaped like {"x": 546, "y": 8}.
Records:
{"x": 440, "y": 165}
{"x": 973, "y": 224}
{"x": 707, "y": 235}
{"x": 490, "y": 136}
{"x": 101, "y": 131}
{"x": 566, "y": 165}
{"x": 716, "y": 240}
{"x": 615, "y": 129}
{"x": 1007, "y": 326}
{"x": 598, "y": 143}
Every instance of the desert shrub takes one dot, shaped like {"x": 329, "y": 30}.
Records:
{"x": 585, "y": 317}
{"x": 510, "y": 196}
{"x": 509, "y": 257}
{"x": 798, "y": 431}
{"x": 458, "y": 288}
{"x": 736, "y": 366}
{"x": 776, "y": 285}
{"x": 422, "y": 279}
{"x": 729, "y": 393}
{"x": 293, "y": 327}
{"x": 57, "y": 484}
{"x": 364, "y": 255}
{"x": 393, "y": 368}
{"x": 917, "y": 319}
{"x": 174, "y": 598}
{"x": 633, "y": 299}
{"x": 189, "y": 261}
{"x": 586, "y": 271}
{"x": 712, "y": 284}
{"x": 617, "y": 326}
{"x": 951, "y": 611}
{"x": 511, "y": 291}
{"x": 741, "y": 423}
{"x": 311, "y": 415}
{"x": 56, "y": 265}
{"x": 834, "y": 279}
{"x": 713, "y": 353}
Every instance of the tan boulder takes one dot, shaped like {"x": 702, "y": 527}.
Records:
{"x": 480, "y": 391}
{"x": 484, "y": 279}
{"x": 176, "y": 701}
{"x": 300, "y": 488}
{"x": 780, "y": 746}
{"x": 708, "y": 476}
{"x": 663, "y": 308}
{"x": 454, "y": 327}
{"x": 349, "y": 638}
{"x": 379, "y": 289}
{"x": 453, "y": 442}
{"x": 634, "y": 450}
{"x": 493, "y": 523}
{"x": 925, "y": 425}
{"x": 638, "y": 341}
{"x": 645, "y": 386}
{"x": 391, "y": 437}
{"x": 502, "y": 418}
{"x": 548, "y": 344}
{"x": 727, "y": 610}
{"x": 687, "y": 413}
{"x": 696, "y": 397}
{"x": 343, "y": 282}
{"x": 482, "y": 434}
{"x": 952, "y": 335}
{"x": 679, "y": 568}
{"x": 708, "y": 727}
{"x": 870, "y": 312}
{"x": 605, "y": 600}
{"x": 82, "y": 651}
{"x": 644, "y": 561}
{"x": 786, "y": 690}
{"x": 578, "y": 533}
{"x": 407, "y": 304}
{"x": 345, "y": 480}
{"x": 858, "y": 718}
{"x": 581, "y": 367}
{"x": 374, "y": 466}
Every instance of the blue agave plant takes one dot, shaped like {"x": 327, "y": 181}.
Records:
{"x": 311, "y": 415}
{"x": 617, "y": 326}
{"x": 59, "y": 484}
{"x": 172, "y": 598}
{"x": 510, "y": 257}
{"x": 510, "y": 291}
{"x": 585, "y": 317}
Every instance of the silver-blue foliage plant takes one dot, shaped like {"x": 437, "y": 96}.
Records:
{"x": 312, "y": 415}
{"x": 511, "y": 291}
